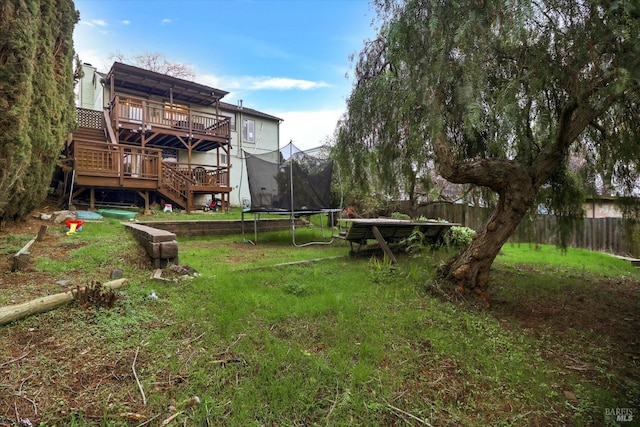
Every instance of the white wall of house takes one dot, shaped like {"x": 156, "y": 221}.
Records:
{"x": 90, "y": 93}
{"x": 266, "y": 137}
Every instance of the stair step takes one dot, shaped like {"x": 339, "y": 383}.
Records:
{"x": 89, "y": 141}
{"x": 99, "y": 134}
{"x": 89, "y": 135}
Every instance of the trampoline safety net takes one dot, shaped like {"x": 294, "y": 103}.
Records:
{"x": 289, "y": 180}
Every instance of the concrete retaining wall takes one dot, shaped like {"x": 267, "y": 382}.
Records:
{"x": 161, "y": 245}
{"x": 221, "y": 227}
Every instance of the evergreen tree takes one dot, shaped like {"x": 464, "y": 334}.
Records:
{"x": 36, "y": 98}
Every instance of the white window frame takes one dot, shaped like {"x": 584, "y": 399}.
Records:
{"x": 249, "y": 130}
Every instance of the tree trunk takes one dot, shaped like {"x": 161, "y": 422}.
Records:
{"x": 469, "y": 271}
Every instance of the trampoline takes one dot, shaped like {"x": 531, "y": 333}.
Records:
{"x": 290, "y": 182}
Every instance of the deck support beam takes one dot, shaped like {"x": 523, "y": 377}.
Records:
{"x": 77, "y": 193}
{"x": 145, "y": 197}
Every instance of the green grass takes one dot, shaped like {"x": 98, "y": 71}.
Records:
{"x": 571, "y": 259}
{"x": 341, "y": 341}
{"x": 12, "y": 243}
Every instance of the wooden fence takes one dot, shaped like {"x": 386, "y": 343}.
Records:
{"x": 615, "y": 235}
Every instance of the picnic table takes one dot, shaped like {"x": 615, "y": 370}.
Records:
{"x": 388, "y": 230}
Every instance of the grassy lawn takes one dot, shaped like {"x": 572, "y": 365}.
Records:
{"x": 256, "y": 339}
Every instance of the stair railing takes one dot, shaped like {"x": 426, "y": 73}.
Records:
{"x": 176, "y": 183}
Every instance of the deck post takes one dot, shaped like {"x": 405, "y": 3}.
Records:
{"x": 145, "y": 197}
{"x": 92, "y": 199}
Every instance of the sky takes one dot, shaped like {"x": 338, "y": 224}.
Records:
{"x": 287, "y": 58}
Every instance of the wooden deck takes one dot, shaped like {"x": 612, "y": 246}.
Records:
{"x": 167, "y": 125}
{"x": 104, "y": 158}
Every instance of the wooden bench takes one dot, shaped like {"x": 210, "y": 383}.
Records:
{"x": 161, "y": 245}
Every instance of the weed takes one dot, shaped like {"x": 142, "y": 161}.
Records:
{"x": 381, "y": 272}
{"x": 297, "y": 289}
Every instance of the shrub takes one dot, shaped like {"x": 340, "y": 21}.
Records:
{"x": 399, "y": 215}
{"x": 459, "y": 237}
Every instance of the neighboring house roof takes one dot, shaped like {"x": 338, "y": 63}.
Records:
{"x": 138, "y": 79}
{"x": 251, "y": 111}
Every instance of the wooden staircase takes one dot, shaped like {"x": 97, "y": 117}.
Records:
{"x": 90, "y": 135}
{"x": 176, "y": 186}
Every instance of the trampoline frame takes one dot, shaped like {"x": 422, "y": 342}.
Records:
{"x": 292, "y": 215}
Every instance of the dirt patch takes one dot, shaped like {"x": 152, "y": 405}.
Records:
{"x": 46, "y": 368}
{"x": 589, "y": 331}
{"x": 30, "y": 283}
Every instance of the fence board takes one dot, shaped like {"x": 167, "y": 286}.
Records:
{"x": 615, "y": 235}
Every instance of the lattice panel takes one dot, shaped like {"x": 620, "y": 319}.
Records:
{"x": 89, "y": 118}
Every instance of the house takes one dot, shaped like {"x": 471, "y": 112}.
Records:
{"x": 611, "y": 207}
{"x": 145, "y": 137}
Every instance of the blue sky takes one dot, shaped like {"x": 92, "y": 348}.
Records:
{"x": 288, "y": 58}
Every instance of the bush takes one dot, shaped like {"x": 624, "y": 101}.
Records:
{"x": 459, "y": 237}
{"x": 399, "y": 215}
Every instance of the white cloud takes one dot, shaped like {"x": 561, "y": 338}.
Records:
{"x": 95, "y": 22}
{"x": 208, "y": 80}
{"x": 125, "y": 22}
{"x": 259, "y": 83}
{"x": 281, "y": 83}
{"x": 166, "y": 21}
{"x": 96, "y": 58}
{"x": 307, "y": 129}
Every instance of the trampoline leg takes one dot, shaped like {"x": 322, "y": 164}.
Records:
{"x": 244, "y": 240}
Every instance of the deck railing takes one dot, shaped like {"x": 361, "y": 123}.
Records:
{"x": 175, "y": 182}
{"x": 149, "y": 114}
{"x": 204, "y": 175}
{"x": 108, "y": 160}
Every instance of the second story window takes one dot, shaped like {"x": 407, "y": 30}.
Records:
{"x": 232, "y": 121}
{"x": 249, "y": 130}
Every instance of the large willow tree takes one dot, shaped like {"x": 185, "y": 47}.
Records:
{"x": 498, "y": 94}
{"x": 36, "y": 98}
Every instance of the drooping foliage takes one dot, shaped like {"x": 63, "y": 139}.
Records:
{"x": 36, "y": 98}
{"x": 497, "y": 94}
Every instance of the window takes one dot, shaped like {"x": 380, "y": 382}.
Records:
{"x": 131, "y": 109}
{"x": 249, "y": 130}
{"x": 232, "y": 121}
{"x": 170, "y": 155}
{"x": 223, "y": 159}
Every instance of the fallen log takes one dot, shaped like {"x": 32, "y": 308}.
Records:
{"x": 40, "y": 305}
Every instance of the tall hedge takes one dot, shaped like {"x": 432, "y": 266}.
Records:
{"x": 36, "y": 98}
